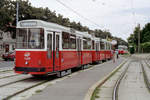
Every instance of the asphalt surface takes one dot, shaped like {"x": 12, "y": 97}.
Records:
{"x": 76, "y": 87}
{"x": 6, "y": 65}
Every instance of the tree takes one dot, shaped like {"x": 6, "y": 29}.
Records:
{"x": 133, "y": 39}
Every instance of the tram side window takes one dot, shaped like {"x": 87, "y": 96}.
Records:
{"x": 49, "y": 41}
{"x": 57, "y": 42}
{"x": 65, "y": 40}
{"x": 102, "y": 45}
{"x": 106, "y": 46}
{"x": 97, "y": 47}
{"x": 35, "y": 38}
{"x": 73, "y": 42}
{"x": 86, "y": 43}
{"x": 89, "y": 43}
{"x": 109, "y": 46}
{"x": 93, "y": 46}
{"x": 21, "y": 39}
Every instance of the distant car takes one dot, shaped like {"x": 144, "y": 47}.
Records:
{"x": 9, "y": 56}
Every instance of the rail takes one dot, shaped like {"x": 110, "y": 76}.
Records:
{"x": 115, "y": 90}
{"x": 145, "y": 75}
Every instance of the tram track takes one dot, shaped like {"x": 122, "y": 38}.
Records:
{"x": 24, "y": 89}
{"x": 133, "y": 79}
{"x": 38, "y": 82}
{"x": 116, "y": 87}
{"x": 7, "y": 74}
{"x": 146, "y": 79}
{"x": 31, "y": 83}
{"x": 7, "y": 70}
{"x": 118, "y": 82}
{"x": 27, "y": 84}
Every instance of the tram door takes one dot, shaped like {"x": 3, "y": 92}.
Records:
{"x": 53, "y": 46}
{"x": 49, "y": 61}
{"x": 56, "y": 43}
{"x": 79, "y": 50}
{"x": 97, "y": 49}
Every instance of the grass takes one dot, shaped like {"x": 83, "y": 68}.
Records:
{"x": 95, "y": 94}
{"x": 38, "y": 91}
{"x": 97, "y": 90}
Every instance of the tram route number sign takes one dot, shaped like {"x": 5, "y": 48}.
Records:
{"x": 28, "y": 24}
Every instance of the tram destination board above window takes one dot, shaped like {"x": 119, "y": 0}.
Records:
{"x": 28, "y": 24}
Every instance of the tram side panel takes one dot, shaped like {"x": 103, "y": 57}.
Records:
{"x": 68, "y": 59}
{"x": 108, "y": 54}
{"x": 94, "y": 56}
{"x": 102, "y": 55}
{"x": 86, "y": 57}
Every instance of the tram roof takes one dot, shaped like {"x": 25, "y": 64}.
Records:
{"x": 39, "y": 23}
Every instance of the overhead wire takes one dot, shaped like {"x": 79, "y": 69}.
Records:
{"x": 80, "y": 15}
{"x": 74, "y": 11}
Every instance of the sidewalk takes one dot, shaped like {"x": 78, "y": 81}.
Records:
{"x": 76, "y": 87}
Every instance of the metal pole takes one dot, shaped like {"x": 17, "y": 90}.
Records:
{"x": 139, "y": 39}
{"x": 17, "y": 11}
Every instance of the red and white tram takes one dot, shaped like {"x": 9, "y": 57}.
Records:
{"x": 122, "y": 49}
{"x": 48, "y": 48}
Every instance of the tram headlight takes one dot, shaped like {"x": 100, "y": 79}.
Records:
{"x": 26, "y": 63}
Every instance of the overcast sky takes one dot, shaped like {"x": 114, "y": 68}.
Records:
{"x": 117, "y": 16}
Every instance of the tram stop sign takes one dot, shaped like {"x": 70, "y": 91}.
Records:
{"x": 114, "y": 42}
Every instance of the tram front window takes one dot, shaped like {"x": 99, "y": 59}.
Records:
{"x": 32, "y": 38}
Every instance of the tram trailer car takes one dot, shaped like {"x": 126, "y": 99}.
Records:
{"x": 95, "y": 50}
{"x": 48, "y": 48}
{"x": 122, "y": 49}
{"x": 108, "y": 50}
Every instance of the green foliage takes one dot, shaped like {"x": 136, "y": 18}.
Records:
{"x": 133, "y": 39}
{"x": 145, "y": 47}
{"x": 132, "y": 50}
{"x": 144, "y": 38}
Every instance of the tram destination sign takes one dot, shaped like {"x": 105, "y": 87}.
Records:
{"x": 28, "y": 24}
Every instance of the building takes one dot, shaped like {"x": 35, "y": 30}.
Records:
{"x": 7, "y": 44}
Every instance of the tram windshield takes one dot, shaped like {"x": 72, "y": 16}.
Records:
{"x": 31, "y": 38}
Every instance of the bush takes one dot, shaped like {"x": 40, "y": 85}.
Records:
{"x": 145, "y": 47}
{"x": 132, "y": 50}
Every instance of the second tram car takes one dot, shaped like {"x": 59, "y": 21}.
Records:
{"x": 48, "y": 48}
{"x": 122, "y": 49}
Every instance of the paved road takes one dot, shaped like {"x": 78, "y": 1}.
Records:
{"x": 75, "y": 87}
{"x": 6, "y": 65}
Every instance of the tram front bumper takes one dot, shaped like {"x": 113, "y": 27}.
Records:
{"x": 29, "y": 69}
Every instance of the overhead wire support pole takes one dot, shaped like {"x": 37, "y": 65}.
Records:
{"x": 17, "y": 12}
{"x": 139, "y": 40}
